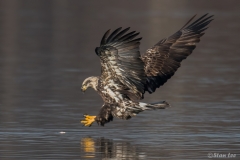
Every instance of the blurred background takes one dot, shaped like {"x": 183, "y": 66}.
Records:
{"x": 47, "y": 50}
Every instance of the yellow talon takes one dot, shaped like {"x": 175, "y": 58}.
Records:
{"x": 87, "y": 122}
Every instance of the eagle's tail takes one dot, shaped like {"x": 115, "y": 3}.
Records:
{"x": 153, "y": 106}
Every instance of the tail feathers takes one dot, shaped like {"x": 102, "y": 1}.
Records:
{"x": 159, "y": 105}
{"x": 156, "y": 105}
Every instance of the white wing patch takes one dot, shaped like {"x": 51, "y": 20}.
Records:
{"x": 117, "y": 96}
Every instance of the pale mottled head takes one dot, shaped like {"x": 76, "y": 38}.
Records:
{"x": 90, "y": 82}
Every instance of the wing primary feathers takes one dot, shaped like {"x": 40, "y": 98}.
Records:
{"x": 203, "y": 29}
{"x": 189, "y": 21}
{"x": 202, "y": 23}
{"x": 126, "y": 36}
{"x": 111, "y": 37}
{"x": 201, "y": 26}
{"x": 103, "y": 41}
{"x": 136, "y": 40}
{"x": 130, "y": 37}
{"x": 120, "y": 34}
{"x": 200, "y": 20}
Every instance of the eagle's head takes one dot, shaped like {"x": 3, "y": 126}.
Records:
{"x": 90, "y": 82}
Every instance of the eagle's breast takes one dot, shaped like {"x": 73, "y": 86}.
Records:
{"x": 110, "y": 91}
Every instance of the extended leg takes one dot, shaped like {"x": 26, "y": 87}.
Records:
{"x": 105, "y": 114}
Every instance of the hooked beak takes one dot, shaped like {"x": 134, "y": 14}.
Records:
{"x": 84, "y": 88}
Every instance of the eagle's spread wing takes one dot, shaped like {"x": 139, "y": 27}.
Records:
{"x": 121, "y": 62}
{"x": 164, "y": 58}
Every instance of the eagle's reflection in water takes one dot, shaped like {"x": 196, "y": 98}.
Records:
{"x": 102, "y": 148}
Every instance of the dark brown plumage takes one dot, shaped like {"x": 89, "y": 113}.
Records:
{"x": 126, "y": 74}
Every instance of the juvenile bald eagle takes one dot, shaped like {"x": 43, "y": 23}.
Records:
{"x": 126, "y": 74}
